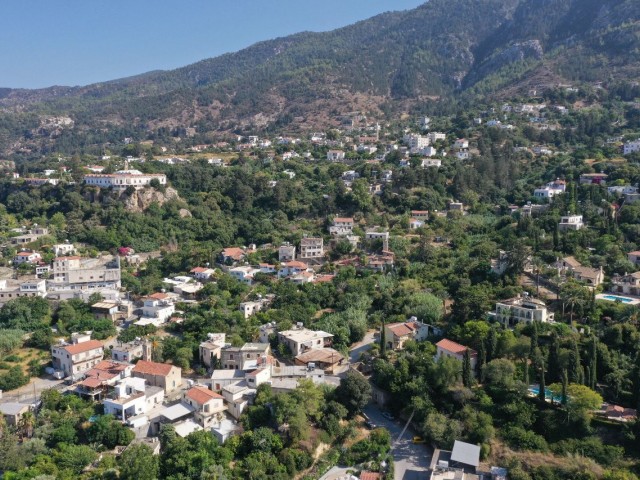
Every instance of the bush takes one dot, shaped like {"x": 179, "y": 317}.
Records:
{"x": 521, "y": 439}
{"x": 13, "y": 379}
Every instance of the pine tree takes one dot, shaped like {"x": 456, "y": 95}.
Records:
{"x": 467, "y": 374}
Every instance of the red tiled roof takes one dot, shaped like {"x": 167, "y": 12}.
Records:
{"x": 198, "y": 270}
{"x": 296, "y": 264}
{"x": 158, "y": 296}
{"x": 401, "y": 329}
{"x": 454, "y": 347}
{"x": 342, "y": 220}
{"x": 233, "y": 252}
{"x": 323, "y": 278}
{"x": 91, "y": 382}
{"x": 419, "y": 212}
{"x": 637, "y": 252}
{"x": 82, "y": 347}
{"x": 202, "y": 394}
{"x": 152, "y": 368}
{"x": 255, "y": 372}
{"x": 370, "y": 476}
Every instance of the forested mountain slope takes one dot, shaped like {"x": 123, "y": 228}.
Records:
{"x": 441, "y": 49}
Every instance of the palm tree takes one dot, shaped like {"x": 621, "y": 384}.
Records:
{"x": 26, "y": 424}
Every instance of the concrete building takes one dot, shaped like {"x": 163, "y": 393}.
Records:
{"x": 78, "y": 357}
{"x": 208, "y": 405}
{"x": 397, "y": 334}
{"x": 10, "y": 289}
{"x": 627, "y": 284}
{"x": 13, "y": 412}
{"x": 75, "y": 273}
{"x": 168, "y": 377}
{"x": 210, "y": 349}
{"x": 124, "y": 179}
{"x": 300, "y": 339}
{"x": 286, "y": 253}
{"x": 522, "y": 309}
{"x": 311, "y": 247}
{"x": 570, "y": 222}
{"x": 128, "y": 352}
{"x": 132, "y": 397}
{"x": 156, "y": 309}
{"x": 341, "y": 226}
{"x": 248, "y": 357}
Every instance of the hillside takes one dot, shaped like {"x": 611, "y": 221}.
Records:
{"x": 392, "y": 61}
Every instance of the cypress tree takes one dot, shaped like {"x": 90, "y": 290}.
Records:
{"x": 482, "y": 361}
{"x": 534, "y": 337}
{"x": 565, "y": 384}
{"x": 542, "y": 394}
{"x": 554, "y": 358}
{"x": 574, "y": 363}
{"x": 492, "y": 341}
{"x": 467, "y": 375}
{"x": 526, "y": 372}
{"x": 593, "y": 379}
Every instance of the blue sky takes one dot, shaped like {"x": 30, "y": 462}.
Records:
{"x": 77, "y": 42}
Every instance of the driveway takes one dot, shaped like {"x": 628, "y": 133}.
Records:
{"x": 411, "y": 461}
{"x": 362, "y": 346}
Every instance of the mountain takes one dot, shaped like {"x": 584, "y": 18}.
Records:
{"x": 442, "y": 49}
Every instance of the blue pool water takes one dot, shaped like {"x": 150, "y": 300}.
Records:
{"x": 615, "y": 298}
{"x": 547, "y": 394}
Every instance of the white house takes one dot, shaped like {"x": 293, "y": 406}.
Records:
{"x": 335, "y": 155}
{"x": 78, "y": 357}
{"x": 156, "y": 309}
{"x": 570, "y": 222}
{"x": 311, "y": 247}
{"x": 341, "y": 226}
{"x": 244, "y": 274}
{"x": 551, "y": 189}
{"x": 522, "y": 309}
{"x": 286, "y": 253}
{"x": 431, "y": 162}
{"x": 631, "y": 147}
{"x": 27, "y": 256}
{"x": 301, "y": 339}
{"x": 124, "y": 179}
{"x": 202, "y": 274}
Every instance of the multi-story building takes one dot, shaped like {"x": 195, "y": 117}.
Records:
{"x": 631, "y": 147}
{"x": 447, "y": 348}
{"x": 78, "y": 357}
{"x": 27, "y": 256}
{"x": 156, "y": 309}
{"x": 131, "y": 397}
{"x": 124, "y": 179}
{"x": 286, "y": 253}
{"x": 210, "y": 349}
{"x": 248, "y": 357}
{"x": 128, "y": 352}
{"x": 628, "y": 284}
{"x": 522, "y": 309}
{"x": 169, "y": 377}
{"x": 341, "y": 226}
{"x": 551, "y": 189}
{"x": 301, "y": 339}
{"x": 570, "y": 222}
{"x": 593, "y": 178}
{"x": 31, "y": 236}
{"x": 207, "y": 404}
{"x": 335, "y": 155}
{"x": 311, "y": 247}
{"x": 12, "y": 289}
{"x": 75, "y": 273}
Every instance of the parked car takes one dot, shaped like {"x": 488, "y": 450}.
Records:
{"x": 370, "y": 425}
{"x": 418, "y": 440}
{"x": 388, "y": 416}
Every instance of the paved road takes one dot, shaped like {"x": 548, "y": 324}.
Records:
{"x": 411, "y": 461}
{"x": 25, "y": 394}
{"x": 358, "y": 348}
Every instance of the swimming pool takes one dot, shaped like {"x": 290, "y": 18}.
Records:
{"x": 616, "y": 298}
{"x": 547, "y": 393}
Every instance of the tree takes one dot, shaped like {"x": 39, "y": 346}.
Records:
{"x": 574, "y": 364}
{"x": 467, "y": 374}
{"x": 138, "y": 463}
{"x": 500, "y": 373}
{"x": 354, "y": 392}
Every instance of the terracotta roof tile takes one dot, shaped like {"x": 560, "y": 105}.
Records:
{"x": 82, "y": 347}
{"x": 454, "y": 347}
{"x": 202, "y": 394}
{"x": 152, "y": 368}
